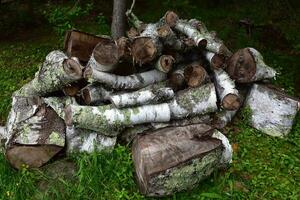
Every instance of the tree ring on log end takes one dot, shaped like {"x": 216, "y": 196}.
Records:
{"x": 217, "y": 61}
{"x": 171, "y": 18}
{"x": 143, "y": 49}
{"x": 106, "y": 53}
{"x": 241, "y": 66}
{"x": 202, "y": 43}
{"x": 72, "y": 68}
{"x": 194, "y": 75}
{"x": 231, "y": 102}
{"x": 166, "y": 62}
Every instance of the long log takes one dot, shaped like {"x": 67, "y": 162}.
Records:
{"x": 272, "y": 111}
{"x": 142, "y": 97}
{"x": 83, "y": 140}
{"x": 247, "y": 65}
{"x": 111, "y": 121}
{"x": 134, "y": 81}
{"x": 165, "y": 163}
{"x": 227, "y": 92}
{"x": 55, "y": 73}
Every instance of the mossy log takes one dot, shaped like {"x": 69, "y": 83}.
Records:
{"x": 83, "y": 140}
{"x": 227, "y": 92}
{"x": 55, "y": 73}
{"x": 34, "y": 128}
{"x": 164, "y": 63}
{"x": 271, "y": 110}
{"x": 111, "y": 121}
{"x": 214, "y": 44}
{"x": 247, "y": 65}
{"x": 142, "y": 97}
{"x": 94, "y": 94}
{"x": 216, "y": 61}
{"x": 165, "y": 163}
{"x": 134, "y": 81}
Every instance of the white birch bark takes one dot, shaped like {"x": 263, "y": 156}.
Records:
{"x": 227, "y": 151}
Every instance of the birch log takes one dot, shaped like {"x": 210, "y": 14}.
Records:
{"x": 94, "y": 94}
{"x": 170, "y": 39}
{"x": 227, "y": 92}
{"x": 216, "y": 61}
{"x": 272, "y": 111}
{"x": 195, "y": 75}
{"x": 164, "y": 63}
{"x": 177, "y": 79}
{"x": 177, "y": 158}
{"x": 35, "y": 133}
{"x": 111, "y": 121}
{"x": 142, "y": 97}
{"x": 247, "y": 65}
{"x": 55, "y": 73}
{"x": 214, "y": 44}
{"x": 134, "y": 81}
{"x": 83, "y": 140}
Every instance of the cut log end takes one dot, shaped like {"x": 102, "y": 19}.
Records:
{"x": 143, "y": 49}
{"x": 164, "y": 31}
{"x": 195, "y": 75}
{"x": 171, "y": 18}
{"x": 217, "y": 61}
{"x": 132, "y": 33}
{"x": 123, "y": 47}
{"x": 202, "y": 43}
{"x": 88, "y": 72}
{"x": 106, "y": 53}
{"x": 231, "y": 102}
{"x": 166, "y": 62}
{"x": 72, "y": 68}
{"x": 241, "y": 66}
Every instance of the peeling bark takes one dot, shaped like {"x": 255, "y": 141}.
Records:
{"x": 55, "y": 73}
{"x": 227, "y": 92}
{"x": 272, "y": 111}
{"x": 142, "y": 97}
{"x": 247, "y": 65}
{"x": 134, "y": 81}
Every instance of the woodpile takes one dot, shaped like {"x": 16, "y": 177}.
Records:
{"x": 169, "y": 86}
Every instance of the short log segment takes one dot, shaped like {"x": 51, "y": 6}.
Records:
{"x": 94, "y": 94}
{"x": 35, "y": 133}
{"x": 56, "y": 72}
{"x": 83, "y": 140}
{"x": 165, "y": 163}
{"x": 142, "y": 97}
{"x": 272, "y": 111}
{"x": 135, "y": 81}
{"x": 195, "y": 75}
{"x": 165, "y": 63}
{"x": 247, "y": 65}
{"x": 214, "y": 44}
{"x": 177, "y": 80}
{"x": 227, "y": 92}
{"x": 216, "y": 61}
{"x": 111, "y": 121}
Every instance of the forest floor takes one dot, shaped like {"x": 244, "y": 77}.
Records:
{"x": 263, "y": 167}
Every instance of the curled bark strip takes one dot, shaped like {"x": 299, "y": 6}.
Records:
{"x": 247, "y": 65}
{"x": 216, "y": 61}
{"x": 227, "y": 92}
{"x": 195, "y": 75}
{"x": 94, "y": 94}
{"x": 165, "y": 63}
{"x": 134, "y": 81}
{"x": 141, "y": 97}
{"x": 56, "y": 72}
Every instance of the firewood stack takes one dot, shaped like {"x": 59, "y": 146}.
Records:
{"x": 167, "y": 87}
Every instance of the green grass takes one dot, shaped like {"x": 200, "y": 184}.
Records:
{"x": 263, "y": 167}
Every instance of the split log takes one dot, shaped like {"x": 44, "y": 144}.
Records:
{"x": 216, "y": 61}
{"x": 111, "y": 121}
{"x": 195, "y": 75}
{"x": 165, "y": 63}
{"x": 134, "y": 81}
{"x": 94, "y": 94}
{"x": 118, "y": 24}
{"x": 272, "y": 111}
{"x": 165, "y": 163}
{"x": 56, "y": 72}
{"x": 227, "y": 92}
{"x": 142, "y": 97}
{"x": 35, "y": 133}
{"x": 105, "y": 56}
{"x": 185, "y": 28}
{"x": 83, "y": 140}
{"x": 247, "y": 65}
{"x": 80, "y": 44}
{"x": 214, "y": 44}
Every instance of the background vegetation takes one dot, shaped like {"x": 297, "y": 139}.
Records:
{"x": 263, "y": 167}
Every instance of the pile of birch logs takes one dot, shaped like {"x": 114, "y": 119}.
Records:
{"x": 169, "y": 87}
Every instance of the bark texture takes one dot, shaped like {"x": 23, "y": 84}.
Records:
{"x": 119, "y": 19}
{"x": 175, "y": 159}
{"x": 272, "y": 111}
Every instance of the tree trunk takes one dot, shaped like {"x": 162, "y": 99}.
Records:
{"x": 165, "y": 163}
{"x": 142, "y": 97}
{"x": 118, "y": 25}
{"x": 247, "y": 65}
{"x": 134, "y": 81}
{"x": 227, "y": 93}
{"x": 272, "y": 111}
{"x": 56, "y": 72}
